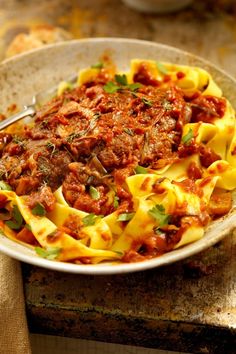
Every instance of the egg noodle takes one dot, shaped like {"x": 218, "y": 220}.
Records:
{"x": 170, "y": 204}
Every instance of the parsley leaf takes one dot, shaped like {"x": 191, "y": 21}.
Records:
{"x": 116, "y": 202}
{"x": 28, "y": 227}
{"x": 49, "y": 253}
{"x": 73, "y": 136}
{"x": 90, "y": 219}
{"x": 121, "y": 80}
{"x": 16, "y": 222}
{"x": 119, "y": 253}
{"x": 110, "y": 87}
{"x": 94, "y": 193}
{"x": 135, "y": 86}
{"x": 98, "y": 65}
{"x": 186, "y": 139}
{"x": 129, "y": 131}
{"x": 39, "y": 210}
{"x": 161, "y": 68}
{"x": 140, "y": 170}
{"x": 158, "y": 213}
{"x": 125, "y": 216}
{"x": 4, "y": 186}
{"x": 147, "y": 102}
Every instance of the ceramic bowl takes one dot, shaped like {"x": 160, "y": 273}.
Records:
{"x": 157, "y": 6}
{"x": 26, "y": 74}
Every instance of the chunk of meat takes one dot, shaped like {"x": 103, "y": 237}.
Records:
{"x": 44, "y": 196}
{"x": 26, "y": 236}
{"x": 220, "y": 203}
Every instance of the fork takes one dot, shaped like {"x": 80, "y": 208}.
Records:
{"x": 30, "y": 110}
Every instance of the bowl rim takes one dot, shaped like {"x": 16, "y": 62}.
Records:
{"x": 118, "y": 40}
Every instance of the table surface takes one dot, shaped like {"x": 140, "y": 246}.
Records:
{"x": 188, "y": 306}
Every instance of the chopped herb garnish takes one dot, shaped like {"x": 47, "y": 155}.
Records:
{"x": 158, "y": 213}
{"x": 125, "y": 216}
{"x": 167, "y": 105}
{"x": 44, "y": 124}
{"x": 98, "y": 65}
{"x": 4, "y": 186}
{"x": 19, "y": 141}
{"x": 161, "y": 68}
{"x": 119, "y": 253}
{"x": 129, "y": 131}
{"x": 51, "y": 147}
{"x": 16, "y": 222}
{"x": 39, "y": 210}
{"x": 121, "y": 80}
{"x": 140, "y": 170}
{"x": 134, "y": 94}
{"x": 147, "y": 102}
{"x": 73, "y": 136}
{"x": 186, "y": 139}
{"x": 90, "y": 219}
{"x": 110, "y": 87}
{"x": 135, "y": 86}
{"x": 116, "y": 202}
{"x": 44, "y": 166}
{"x": 44, "y": 169}
{"x": 28, "y": 227}
{"x": 16, "y": 139}
{"x": 96, "y": 115}
{"x": 49, "y": 253}
{"x": 94, "y": 193}
{"x": 2, "y": 173}
{"x": 157, "y": 231}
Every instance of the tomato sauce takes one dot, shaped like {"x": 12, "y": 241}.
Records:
{"x": 89, "y": 141}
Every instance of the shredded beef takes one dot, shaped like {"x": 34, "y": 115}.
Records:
{"x": 88, "y": 137}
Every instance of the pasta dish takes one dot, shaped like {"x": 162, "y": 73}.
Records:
{"x": 122, "y": 166}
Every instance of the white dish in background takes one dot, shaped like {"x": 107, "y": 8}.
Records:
{"x": 38, "y": 70}
{"x": 157, "y": 6}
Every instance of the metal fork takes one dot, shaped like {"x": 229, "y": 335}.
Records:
{"x": 38, "y": 99}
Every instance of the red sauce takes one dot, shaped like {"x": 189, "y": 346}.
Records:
{"x": 233, "y": 152}
{"x": 189, "y": 186}
{"x": 3, "y": 201}
{"x": 194, "y": 171}
{"x": 207, "y": 108}
{"x": 144, "y": 76}
{"x": 145, "y": 183}
{"x": 180, "y": 75}
{"x": 89, "y": 138}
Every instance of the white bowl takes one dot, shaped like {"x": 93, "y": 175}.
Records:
{"x": 38, "y": 70}
{"x": 157, "y": 6}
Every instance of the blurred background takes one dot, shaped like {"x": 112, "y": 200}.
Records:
{"x": 203, "y": 27}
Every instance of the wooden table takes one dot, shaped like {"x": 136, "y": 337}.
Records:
{"x": 188, "y": 306}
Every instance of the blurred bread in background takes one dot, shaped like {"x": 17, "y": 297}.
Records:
{"x": 37, "y": 37}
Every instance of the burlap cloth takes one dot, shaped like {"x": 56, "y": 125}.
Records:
{"x": 14, "y": 336}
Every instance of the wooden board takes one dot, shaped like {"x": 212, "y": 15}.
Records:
{"x": 179, "y": 307}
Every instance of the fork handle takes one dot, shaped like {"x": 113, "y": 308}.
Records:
{"x": 28, "y": 111}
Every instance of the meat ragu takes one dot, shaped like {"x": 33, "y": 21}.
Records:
{"x": 90, "y": 140}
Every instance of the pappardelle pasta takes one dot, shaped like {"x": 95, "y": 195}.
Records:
{"x": 122, "y": 166}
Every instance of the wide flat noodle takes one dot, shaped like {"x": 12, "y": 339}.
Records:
{"x": 44, "y": 229}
